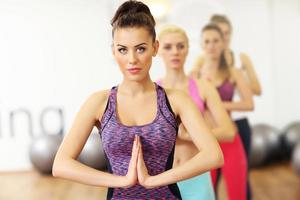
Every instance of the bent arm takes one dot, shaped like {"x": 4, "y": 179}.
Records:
{"x": 223, "y": 128}
{"x": 210, "y": 155}
{"x": 251, "y": 74}
{"x": 245, "y": 102}
{"x": 65, "y": 163}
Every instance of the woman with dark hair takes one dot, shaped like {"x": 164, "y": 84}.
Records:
{"x": 242, "y": 61}
{"x": 138, "y": 122}
{"x": 226, "y": 79}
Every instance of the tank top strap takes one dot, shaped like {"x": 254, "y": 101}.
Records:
{"x": 110, "y": 108}
{"x": 194, "y": 93}
{"x": 165, "y": 107}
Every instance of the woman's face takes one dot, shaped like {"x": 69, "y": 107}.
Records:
{"x": 226, "y": 33}
{"x": 133, "y": 49}
{"x": 173, "y": 49}
{"x": 212, "y": 43}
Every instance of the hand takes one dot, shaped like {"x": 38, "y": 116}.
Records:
{"x": 143, "y": 177}
{"x": 131, "y": 177}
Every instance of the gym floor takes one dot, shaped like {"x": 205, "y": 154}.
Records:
{"x": 273, "y": 182}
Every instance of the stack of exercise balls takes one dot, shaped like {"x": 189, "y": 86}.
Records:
{"x": 268, "y": 144}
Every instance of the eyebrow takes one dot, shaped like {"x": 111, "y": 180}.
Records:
{"x": 134, "y": 46}
{"x": 175, "y": 44}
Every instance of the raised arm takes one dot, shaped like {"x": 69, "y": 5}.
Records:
{"x": 210, "y": 155}
{"x": 253, "y": 81}
{"x": 65, "y": 163}
{"x": 223, "y": 128}
{"x": 245, "y": 102}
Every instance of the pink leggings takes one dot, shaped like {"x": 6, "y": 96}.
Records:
{"x": 234, "y": 169}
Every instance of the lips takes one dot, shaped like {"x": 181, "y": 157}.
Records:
{"x": 134, "y": 70}
{"x": 175, "y": 61}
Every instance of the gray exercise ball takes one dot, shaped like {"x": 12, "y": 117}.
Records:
{"x": 42, "y": 152}
{"x": 296, "y": 158}
{"x": 272, "y": 139}
{"x": 259, "y": 151}
{"x": 291, "y": 136}
{"x": 93, "y": 154}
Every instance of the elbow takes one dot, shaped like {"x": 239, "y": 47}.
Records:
{"x": 256, "y": 91}
{"x": 57, "y": 167}
{"x": 230, "y": 135}
{"x": 219, "y": 160}
{"x": 250, "y": 106}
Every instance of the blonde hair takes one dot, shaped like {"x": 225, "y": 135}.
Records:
{"x": 167, "y": 29}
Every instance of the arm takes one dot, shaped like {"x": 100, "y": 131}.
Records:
{"x": 224, "y": 129}
{"x": 251, "y": 75}
{"x": 65, "y": 163}
{"x": 209, "y": 157}
{"x": 246, "y": 98}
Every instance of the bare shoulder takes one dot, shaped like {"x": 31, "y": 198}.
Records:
{"x": 97, "y": 101}
{"x": 178, "y": 99}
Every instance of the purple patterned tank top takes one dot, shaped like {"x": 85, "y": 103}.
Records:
{"x": 158, "y": 142}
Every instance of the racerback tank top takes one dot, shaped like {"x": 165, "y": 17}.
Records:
{"x": 158, "y": 143}
{"x": 194, "y": 94}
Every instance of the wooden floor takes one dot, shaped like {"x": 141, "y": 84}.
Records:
{"x": 274, "y": 182}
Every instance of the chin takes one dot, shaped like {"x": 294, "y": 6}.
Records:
{"x": 177, "y": 66}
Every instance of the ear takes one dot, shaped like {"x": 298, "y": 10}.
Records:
{"x": 155, "y": 47}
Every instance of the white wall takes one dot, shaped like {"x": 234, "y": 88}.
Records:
{"x": 57, "y": 52}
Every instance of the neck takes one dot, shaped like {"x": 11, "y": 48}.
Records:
{"x": 211, "y": 64}
{"x": 134, "y": 88}
{"x": 175, "y": 78}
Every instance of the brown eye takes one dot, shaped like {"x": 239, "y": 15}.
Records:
{"x": 122, "y": 50}
{"x": 141, "y": 49}
{"x": 180, "y": 46}
{"x": 167, "y": 47}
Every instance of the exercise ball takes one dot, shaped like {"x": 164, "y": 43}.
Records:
{"x": 290, "y": 137}
{"x": 296, "y": 158}
{"x": 93, "y": 154}
{"x": 258, "y": 152}
{"x": 42, "y": 152}
{"x": 272, "y": 139}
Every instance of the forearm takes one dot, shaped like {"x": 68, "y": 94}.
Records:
{"x": 223, "y": 134}
{"x": 202, "y": 162}
{"x": 252, "y": 79}
{"x": 74, "y": 170}
{"x": 238, "y": 106}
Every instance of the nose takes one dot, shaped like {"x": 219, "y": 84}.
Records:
{"x": 175, "y": 50}
{"x": 132, "y": 58}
